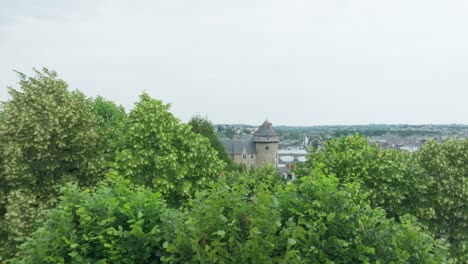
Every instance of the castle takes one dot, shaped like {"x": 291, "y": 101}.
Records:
{"x": 254, "y": 150}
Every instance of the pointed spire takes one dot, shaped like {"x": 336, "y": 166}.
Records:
{"x": 266, "y": 129}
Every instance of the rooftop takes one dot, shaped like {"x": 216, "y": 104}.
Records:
{"x": 266, "y": 129}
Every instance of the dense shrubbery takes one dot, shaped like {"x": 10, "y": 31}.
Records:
{"x": 314, "y": 222}
{"x": 116, "y": 223}
{"x": 107, "y": 187}
{"x": 429, "y": 184}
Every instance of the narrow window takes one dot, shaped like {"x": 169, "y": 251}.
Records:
{"x": 244, "y": 156}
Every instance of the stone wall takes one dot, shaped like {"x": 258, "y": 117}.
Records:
{"x": 249, "y": 159}
{"x": 266, "y": 153}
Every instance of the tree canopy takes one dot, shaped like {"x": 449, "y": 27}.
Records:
{"x": 204, "y": 127}
{"x": 48, "y": 137}
{"x": 111, "y": 120}
{"x": 165, "y": 155}
{"x": 429, "y": 184}
{"x": 82, "y": 181}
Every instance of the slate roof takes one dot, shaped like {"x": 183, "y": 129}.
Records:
{"x": 236, "y": 145}
{"x": 265, "y": 129}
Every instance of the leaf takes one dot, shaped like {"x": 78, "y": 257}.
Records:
{"x": 223, "y": 218}
{"x": 291, "y": 241}
{"x": 330, "y": 217}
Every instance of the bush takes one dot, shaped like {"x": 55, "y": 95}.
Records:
{"x": 116, "y": 223}
{"x": 232, "y": 222}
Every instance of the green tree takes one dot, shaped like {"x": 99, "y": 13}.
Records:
{"x": 110, "y": 121}
{"x": 160, "y": 152}
{"x": 229, "y": 132}
{"x": 390, "y": 176}
{"x": 429, "y": 184}
{"x": 47, "y": 137}
{"x": 2, "y": 190}
{"x": 204, "y": 127}
{"x": 332, "y": 222}
{"x": 443, "y": 203}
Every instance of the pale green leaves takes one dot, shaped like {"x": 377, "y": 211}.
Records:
{"x": 48, "y": 137}
{"x": 161, "y": 153}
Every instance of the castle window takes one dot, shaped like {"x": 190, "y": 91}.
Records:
{"x": 251, "y": 156}
{"x": 251, "y": 165}
{"x": 267, "y": 147}
{"x": 244, "y": 156}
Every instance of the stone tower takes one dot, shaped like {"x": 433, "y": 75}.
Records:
{"x": 266, "y": 144}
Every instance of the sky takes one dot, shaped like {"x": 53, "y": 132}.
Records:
{"x": 296, "y": 62}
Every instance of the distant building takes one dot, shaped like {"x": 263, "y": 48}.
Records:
{"x": 288, "y": 158}
{"x": 254, "y": 150}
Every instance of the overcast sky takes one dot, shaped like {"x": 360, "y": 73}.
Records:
{"x": 297, "y": 62}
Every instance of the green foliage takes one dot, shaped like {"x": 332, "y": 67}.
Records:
{"x": 47, "y": 138}
{"x": 315, "y": 221}
{"x": 204, "y": 127}
{"x": 429, "y": 184}
{"x": 51, "y": 138}
{"x": 388, "y": 175}
{"x": 226, "y": 132}
{"x": 110, "y": 121}
{"x": 263, "y": 178}
{"x": 116, "y": 223}
{"x": 227, "y": 224}
{"x": 443, "y": 203}
{"x": 330, "y": 222}
{"x": 165, "y": 155}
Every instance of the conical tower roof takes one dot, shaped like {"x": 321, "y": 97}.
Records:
{"x": 265, "y": 130}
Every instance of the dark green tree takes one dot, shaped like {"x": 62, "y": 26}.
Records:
{"x": 205, "y": 128}
{"x": 110, "y": 122}
{"x": 229, "y": 132}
